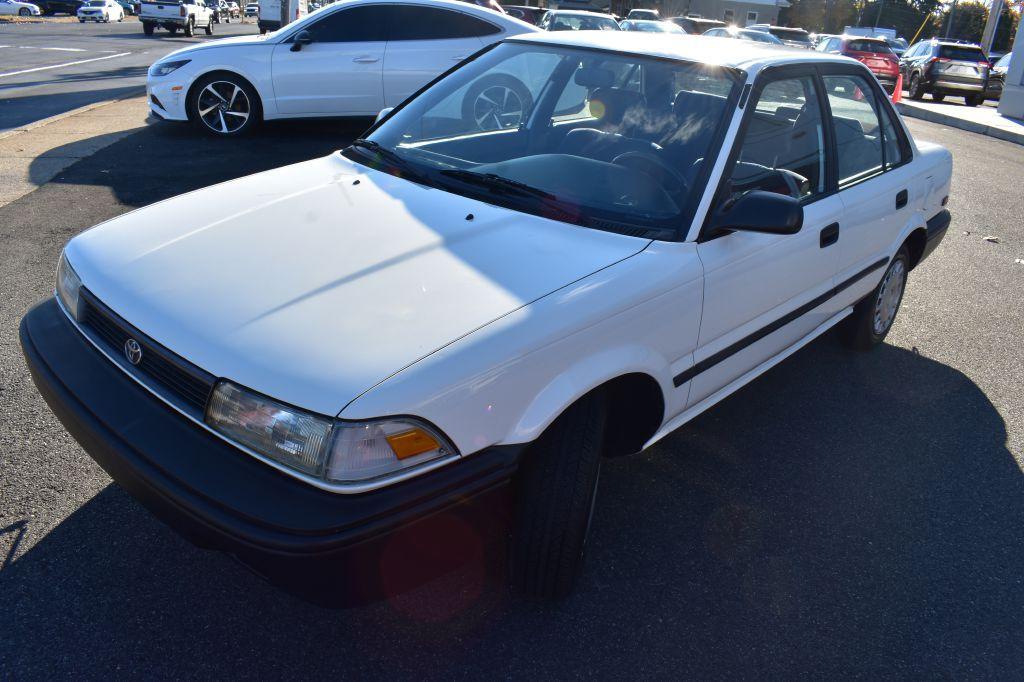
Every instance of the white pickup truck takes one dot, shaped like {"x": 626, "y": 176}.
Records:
{"x": 186, "y": 15}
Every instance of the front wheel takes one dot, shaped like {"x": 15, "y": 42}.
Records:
{"x": 556, "y": 491}
{"x": 209, "y": 27}
{"x": 190, "y": 28}
{"x": 24, "y": 12}
{"x": 938, "y": 97}
{"x": 147, "y": 29}
{"x": 873, "y": 317}
{"x": 223, "y": 105}
{"x": 974, "y": 100}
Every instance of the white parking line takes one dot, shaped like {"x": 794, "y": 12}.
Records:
{"x": 58, "y": 49}
{"x": 60, "y": 66}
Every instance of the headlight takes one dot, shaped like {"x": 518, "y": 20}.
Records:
{"x": 68, "y": 285}
{"x": 164, "y": 68}
{"x": 331, "y": 450}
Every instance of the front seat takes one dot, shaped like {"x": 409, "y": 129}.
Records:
{"x": 619, "y": 115}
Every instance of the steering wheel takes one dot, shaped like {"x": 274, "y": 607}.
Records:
{"x": 672, "y": 181}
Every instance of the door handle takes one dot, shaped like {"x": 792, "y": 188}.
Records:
{"x": 829, "y": 235}
{"x": 365, "y": 59}
{"x": 901, "y": 198}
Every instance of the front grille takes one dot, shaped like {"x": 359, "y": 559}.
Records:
{"x": 185, "y": 383}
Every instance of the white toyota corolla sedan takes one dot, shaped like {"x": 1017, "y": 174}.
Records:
{"x": 21, "y": 9}
{"x": 340, "y": 371}
{"x": 351, "y": 58}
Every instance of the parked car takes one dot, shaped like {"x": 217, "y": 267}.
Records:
{"x": 942, "y": 68}
{"x": 527, "y": 13}
{"x": 874, "y": 53}
{"x": 644, "y": 15}
{"x": 252, "y": 9}
{"x": 650, "y": 26}
{"x": 300, "y": 366}
{"x": 577, "y": 20}
{"x": 221, "y": 12}
{"x": 100, "y": 11}
{"x": 269, "y": 18}
{"x": 52, "y": 7}
{"x": 897, "y": 45}
{"x": 744, "y": 34}
{"x": 184, "y": 15}
{"x": 696, "y": 25}
{"x": 127, "y": 6}
{"x": 350, "y": 59}
{"x": 997, "y": 77}
{"x": 790, "y": 37}
{"x": 19, "y": 9}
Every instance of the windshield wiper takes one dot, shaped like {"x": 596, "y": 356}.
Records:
{"x": 498, "y": 183}
{"x": 391, "y": 157}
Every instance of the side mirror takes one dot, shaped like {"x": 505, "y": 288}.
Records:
{"x": 759, "y": 211}
{"x": 301, "y": 38}
{"x": 383, "y": 112}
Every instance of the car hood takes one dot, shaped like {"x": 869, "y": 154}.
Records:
{"x": 312, "y": 283}
{"x": 233, "y": 41}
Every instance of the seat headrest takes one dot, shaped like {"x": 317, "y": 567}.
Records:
{"x": 689, "y": 102}
{"x": 614, "y": 103}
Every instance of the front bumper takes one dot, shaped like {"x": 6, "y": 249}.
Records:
{"x": 327, "y": 548}
{"x": 166, "y": 96}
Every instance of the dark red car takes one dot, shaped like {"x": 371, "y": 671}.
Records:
{"x": 874, "y": 53}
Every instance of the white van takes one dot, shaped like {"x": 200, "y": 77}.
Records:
{"x": 270, "y": 13}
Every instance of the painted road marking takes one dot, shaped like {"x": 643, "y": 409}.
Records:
{"x": 60, "y": 66}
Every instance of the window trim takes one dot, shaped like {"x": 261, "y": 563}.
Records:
{"x": 766, "y": 76}
{"x": 906, "y": 148}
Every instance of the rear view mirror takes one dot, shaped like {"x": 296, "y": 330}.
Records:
{"x": 759, "y": 211}
{"x": 301, "y": 38}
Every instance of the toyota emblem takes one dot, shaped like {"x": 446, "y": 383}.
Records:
{"x": 133, "y": 351}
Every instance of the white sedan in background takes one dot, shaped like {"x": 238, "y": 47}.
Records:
{"x": 100, "y": 10}
{"x": 353, "y": 58}
{"x": 21, "y": 9}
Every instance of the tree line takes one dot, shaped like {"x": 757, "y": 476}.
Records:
{"x": 910, "y": 18}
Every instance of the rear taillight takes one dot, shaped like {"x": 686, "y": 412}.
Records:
{"x": 182, "y": 11}
{"x": 984, "y": 65}
{"x": 941, "y": 60}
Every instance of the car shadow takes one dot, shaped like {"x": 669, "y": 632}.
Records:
{"x": 855, "y": 513}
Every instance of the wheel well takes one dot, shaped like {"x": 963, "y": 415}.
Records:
{"x": 221, "y": 72}
{"x": 915, "y": 244}
{"x": 636, "y": 408}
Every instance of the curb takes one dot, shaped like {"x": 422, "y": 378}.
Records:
{"x": 956, "y": 122}
{"x": 67, "y": 114}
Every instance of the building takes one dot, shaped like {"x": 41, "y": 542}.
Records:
{"x": 739, "y": 12}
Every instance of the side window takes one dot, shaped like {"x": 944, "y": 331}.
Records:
{"x": 417, "y": 22}
{"x": 783, "y": 148}
{"x": 357, "y": 24}
{"x": 858, "y": 134}
{"x": 894, "y": 152}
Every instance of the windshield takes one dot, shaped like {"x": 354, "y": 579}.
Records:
{"x": 582, "y": 22}
{"x": 897, "y": 43}
{"x": 655, "y": 27}
{"x": 873, "y": 46}
{"x": 962, "y": 54}
{"x": 796, "y": 34}
{"x": 601, "y": 139}
{"x": 758, "y": 36}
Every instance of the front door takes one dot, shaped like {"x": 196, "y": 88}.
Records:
{"x": 764, "y": 292}
{"x": 339, "y": 73}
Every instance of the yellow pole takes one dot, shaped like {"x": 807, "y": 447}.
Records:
{"x": 920, "y": 29}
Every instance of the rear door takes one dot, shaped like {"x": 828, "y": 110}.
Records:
{"x": 339, "y": 73}
{"x": 427, "y": 41}
{"x": 875, "y": 179}
{"x": 765, "y": 292}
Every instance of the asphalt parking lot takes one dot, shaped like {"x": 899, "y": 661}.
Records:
{"x": 845, "y": 514}
{"x": 59, "y": 64}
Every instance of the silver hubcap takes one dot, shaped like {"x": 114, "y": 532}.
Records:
{"x": 223, "y": 107}
{"x": 889, "y": 296}
{"x": 498, "y": 107}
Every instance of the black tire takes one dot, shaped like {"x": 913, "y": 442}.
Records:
{"x": 938, "y": 97}
{"x": 974, "y": 100}
{"x": 24, "y": 12}
{"x": 190, "y": 27}
{"x": 209, "y": 27}
{"x": 860, "y": 331}
{"x": 557, "y": 487}
{"x": 148, "y": 29}
{"x": 916, "y": 91}
{"x": 251, "y": 102}
{"x": 513, "y": 102}
{"x": 173, "y": 30}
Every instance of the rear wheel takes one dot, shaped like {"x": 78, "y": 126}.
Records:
{"x": 173, "y": 30}
{"x": 916, "y": 91}
{"x": 557, "y": 488}
{"x": 496, "y": 102}
{"x": 147, "y": 29}
{"x": 938, "y": 97}
{"x": 209, "y": 27}
{"x": 974, "y": 100}
{"x": 190, "y": 27}
{"x": 873, "y": 317}
{"x": 223, "y": 105}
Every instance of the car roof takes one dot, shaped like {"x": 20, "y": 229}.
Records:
{"x": 745, "y": 55}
